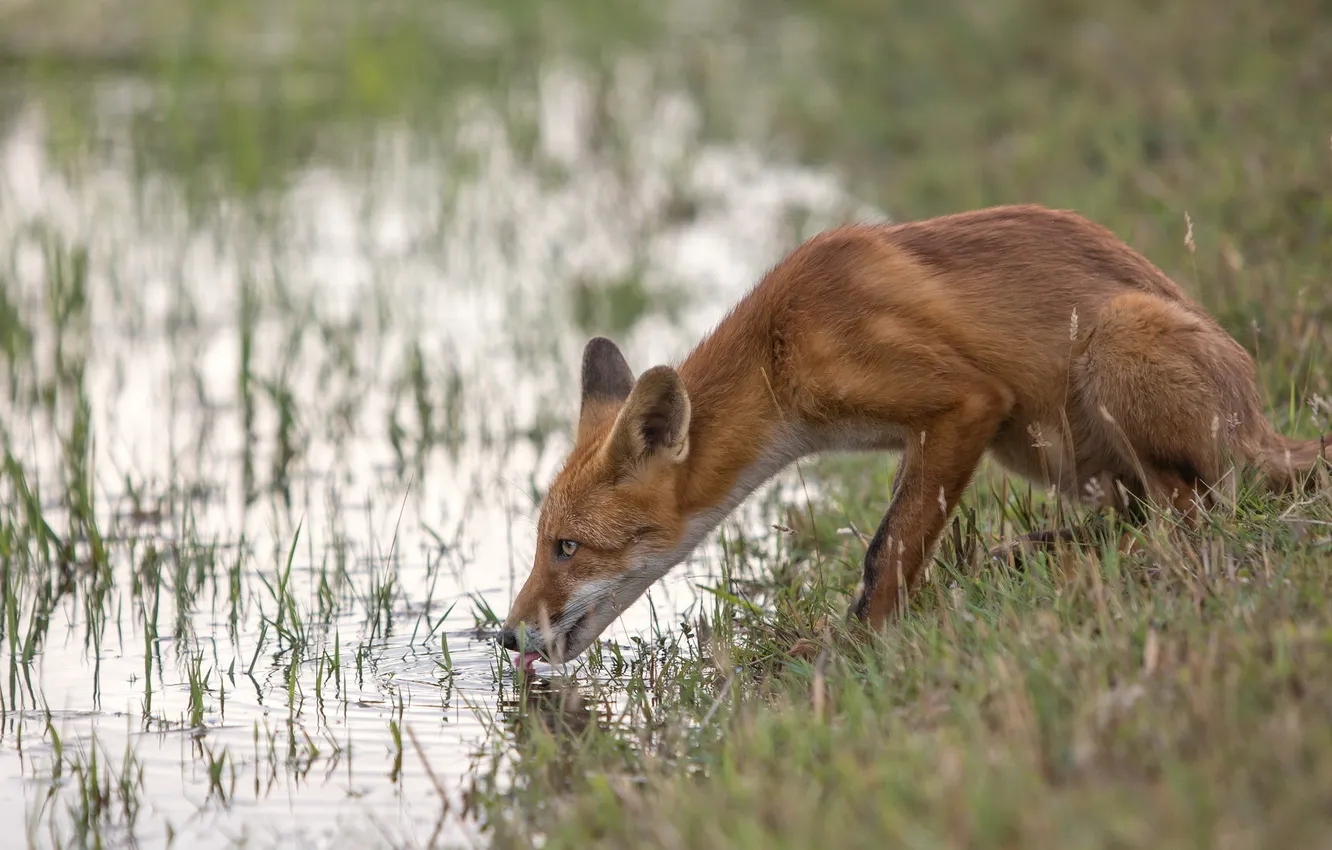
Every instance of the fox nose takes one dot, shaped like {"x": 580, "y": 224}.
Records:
{"x": 508, "y": 639}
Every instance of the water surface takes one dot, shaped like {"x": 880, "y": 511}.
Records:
{"x": 291, "y": 443}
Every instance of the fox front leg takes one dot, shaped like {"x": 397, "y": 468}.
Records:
{"x": 935, "y": 471}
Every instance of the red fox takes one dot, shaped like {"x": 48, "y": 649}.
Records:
{"x": 1029, "y": 333}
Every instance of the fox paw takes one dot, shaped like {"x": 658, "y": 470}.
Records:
{"x": 804, "y": 649}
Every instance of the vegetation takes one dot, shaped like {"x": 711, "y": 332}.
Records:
{"x": 263, "y": 483}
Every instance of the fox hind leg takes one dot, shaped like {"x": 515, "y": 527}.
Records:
{"x": 1159, "y": 398}
{"x": 1153, "y": 387}
{"x": 1165, "y": 397}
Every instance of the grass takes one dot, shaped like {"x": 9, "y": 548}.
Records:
{"x": 285, "y": 649}
{"x": 1171, "y": 698}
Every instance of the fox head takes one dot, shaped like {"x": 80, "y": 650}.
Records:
{"x": 610, "y": 524}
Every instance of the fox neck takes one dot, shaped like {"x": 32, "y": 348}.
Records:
{"x": 739, "y": 435}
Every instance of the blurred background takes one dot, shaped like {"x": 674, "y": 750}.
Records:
{"x": 320, "y": 271}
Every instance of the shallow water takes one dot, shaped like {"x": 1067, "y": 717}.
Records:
{"x": 319, "y": 422}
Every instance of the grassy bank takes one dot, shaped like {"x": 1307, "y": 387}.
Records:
{"x": 1176, "y": 697}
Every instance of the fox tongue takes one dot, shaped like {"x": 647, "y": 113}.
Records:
{"x": 527, "y": 659}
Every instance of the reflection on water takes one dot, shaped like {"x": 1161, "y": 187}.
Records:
{"x": 314, "y": 428}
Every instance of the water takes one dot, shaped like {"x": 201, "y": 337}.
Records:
{"x": 319, "y": 419}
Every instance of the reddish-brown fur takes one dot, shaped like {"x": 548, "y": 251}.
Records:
{"x": 1031, "y": 334}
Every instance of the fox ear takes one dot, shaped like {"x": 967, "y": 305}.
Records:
{"x": 654, "y": 422}
{"x": 606, "y": 375}
{"x": 607, "y": 382}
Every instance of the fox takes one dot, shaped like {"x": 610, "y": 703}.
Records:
{"x": 1029, "y": 334}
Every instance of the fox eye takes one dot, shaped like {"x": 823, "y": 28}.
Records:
{"x": 565, "y": 549}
